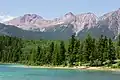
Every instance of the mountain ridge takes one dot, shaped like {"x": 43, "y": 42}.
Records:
{"x": 31, "y": 23}
{"x": 108, "y": 24}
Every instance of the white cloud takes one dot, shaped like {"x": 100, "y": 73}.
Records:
{"x": 4, "y": 18}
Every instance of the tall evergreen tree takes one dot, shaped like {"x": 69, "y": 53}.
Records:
{"x": 80, "y": 52}
{"x": 93, "y": 51}
{"x": 56, "y": 56}
{"x": 118, "y": 48}
{"x": 100, "y": 49}
{"x": 111, "y": 51}
{"x": 62, "y": 53}
{"x": 70, "y": 50}
{"x": 105, "y": 46}
{"x": 39, "y": 56}
{"x": 118, "y": 42}
{"x": 50, "y": 53}
{"x": 87, "y": 49}
{"x": 76, "y": 51}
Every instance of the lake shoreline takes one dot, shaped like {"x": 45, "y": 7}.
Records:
{"x": 73, "y": 68}
{"x": 78, "y": 68}
{"x": 66, "y": 67}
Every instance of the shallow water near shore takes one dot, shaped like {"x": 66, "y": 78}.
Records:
{"x": 8, "y": 72}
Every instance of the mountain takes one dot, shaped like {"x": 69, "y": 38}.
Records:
{"x": 64, "y": 26}
{"x": 37, "y": 23}
{"x": 14, "y": 31}
{"x": 112, "y": 21}
{"x": 17, "y": 32}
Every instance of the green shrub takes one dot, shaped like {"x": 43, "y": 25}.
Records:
{"x": 97, "y": 63}
{"x": 114, "y": 66}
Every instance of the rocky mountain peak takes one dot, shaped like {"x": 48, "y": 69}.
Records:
{"x": 112, "y": 20}
{"x": 67, "y": 18}
{"x": 69, "y": 14}
{"x": 27, "y": 18}
{"x": 87, "y": 17}
{"x": 111, "y": 15}
{"x": 85, "y": 20}
{"x": 33, "y": 16}
{"x": 118, "y": 9}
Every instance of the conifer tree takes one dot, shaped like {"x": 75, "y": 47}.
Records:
{"x": 76, "y": 51}
{"x": 111, "y": 52}
{"x": 93, "y": 51}
{"x": 80, "y": 52}
{"x": 118, "y": 48}
{"x": 62, "y": 53}
{"x": 87, "y": 48}
{"x": 105, "y": 46}
{"x": 118, "y": 43}
{"x": 56, "y": 57}
{"x": 39, "y": 56}
{"x": 70, "y": 50}
{"x": 50, "y": 53}
{"x": 100, "y": 49}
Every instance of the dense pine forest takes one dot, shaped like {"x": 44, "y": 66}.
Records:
{"x": 74, "y": 52}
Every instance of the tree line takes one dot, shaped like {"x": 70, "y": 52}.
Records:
{"x": 74, "y": 52}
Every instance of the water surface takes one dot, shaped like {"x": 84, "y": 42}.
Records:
{"x": 7, "y": 72}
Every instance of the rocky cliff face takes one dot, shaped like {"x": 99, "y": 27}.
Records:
{"x": 112, "y": 21}
{"x": 84, "y": 21}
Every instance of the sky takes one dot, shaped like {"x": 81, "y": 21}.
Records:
{"x": 55, "y": 8}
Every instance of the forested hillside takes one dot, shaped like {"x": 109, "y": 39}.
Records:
{"x": 74, "y": 52}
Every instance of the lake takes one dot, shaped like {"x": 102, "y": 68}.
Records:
{"x": 7, "y": 72}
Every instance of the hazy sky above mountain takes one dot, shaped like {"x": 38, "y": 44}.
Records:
{"x": 56, "y": 8}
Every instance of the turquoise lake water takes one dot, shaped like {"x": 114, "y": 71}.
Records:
{"x": 7, "y": 72}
